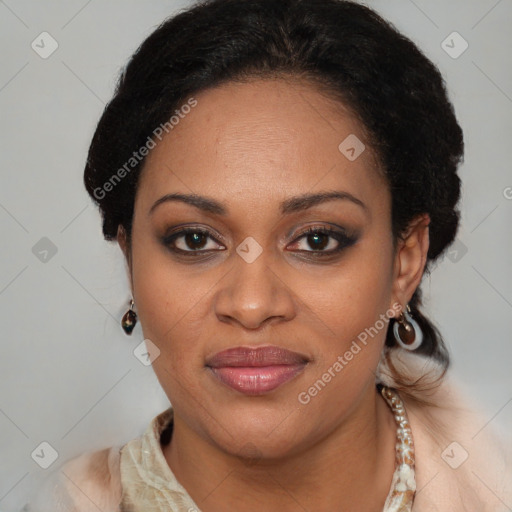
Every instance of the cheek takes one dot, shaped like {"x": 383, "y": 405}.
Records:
{"x": 166, "y": 308}
{"x": 173, "y": 303}
{"x": 354, "y": 318}
{"x": 353, "y": 296}
{"x": 161, "y": 295}
{"x": 169, "y": 308}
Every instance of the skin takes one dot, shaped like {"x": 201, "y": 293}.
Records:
{"x": 251, "y": 146}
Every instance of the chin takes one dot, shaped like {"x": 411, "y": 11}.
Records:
{"x": 257, "y": 429}
{"x": 257, "y": 448}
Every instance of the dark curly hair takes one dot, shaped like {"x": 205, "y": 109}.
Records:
{"x": 342, "y": 47}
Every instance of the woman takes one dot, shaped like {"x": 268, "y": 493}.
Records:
{"x": 280, "y": 175}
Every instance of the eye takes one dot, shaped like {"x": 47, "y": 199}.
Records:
{"x": 323, "y": 241}
{"x": 319, "y": 241}
{"x": 191, "y": 240}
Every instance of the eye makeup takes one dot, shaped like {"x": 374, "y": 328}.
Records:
{"x": 318, "y": 241}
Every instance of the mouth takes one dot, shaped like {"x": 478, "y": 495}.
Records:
{"x": 256, "y": 371}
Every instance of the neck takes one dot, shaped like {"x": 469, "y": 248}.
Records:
{"x": 351, "y": 468}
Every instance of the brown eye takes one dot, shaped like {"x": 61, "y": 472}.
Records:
{"x": 318, "y": 241}
{"x": 195, "y": 240}
{"x": 323, "y": 240}
{"x": 191, "y": 240}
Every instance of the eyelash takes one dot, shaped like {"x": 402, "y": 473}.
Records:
{"x": 344, "y": 240}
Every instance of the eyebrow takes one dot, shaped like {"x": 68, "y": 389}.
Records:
{"x": 290, "y": 205}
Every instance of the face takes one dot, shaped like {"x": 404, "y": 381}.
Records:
{"x": 260, "y": 323}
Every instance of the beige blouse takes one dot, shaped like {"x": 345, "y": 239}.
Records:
{"x": 460, "y": 467}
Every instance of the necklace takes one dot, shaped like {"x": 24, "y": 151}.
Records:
{"x": 403, "y": 485}
{"x": 142, "y": 461}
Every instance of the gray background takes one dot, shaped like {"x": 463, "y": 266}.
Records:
{"x": 68, "y": 373}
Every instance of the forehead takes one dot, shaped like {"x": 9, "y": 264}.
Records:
{"x": 259, "y": 141}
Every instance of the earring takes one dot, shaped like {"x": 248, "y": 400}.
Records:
{"x": 129, "y": 319}
{"x": 407, "y": 332}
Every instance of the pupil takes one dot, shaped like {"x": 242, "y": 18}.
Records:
{"x": 314, "y": 239}
{"x": 195, "y": 240}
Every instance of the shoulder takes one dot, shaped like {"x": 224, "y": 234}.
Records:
{"x": 463, "y": 461}
{"x": 93, "y": 481}
{"x": 87, "y": 483}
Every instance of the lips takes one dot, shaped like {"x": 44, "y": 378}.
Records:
{"x": 255, "y": 371}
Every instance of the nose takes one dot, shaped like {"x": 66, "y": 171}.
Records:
{"x": 254, "y": 294}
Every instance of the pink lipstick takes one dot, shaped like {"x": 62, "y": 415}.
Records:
{"x": 255, "y": 371}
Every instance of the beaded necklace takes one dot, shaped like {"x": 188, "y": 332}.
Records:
{"x": 403, "y": 485}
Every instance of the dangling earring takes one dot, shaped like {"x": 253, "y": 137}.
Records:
{"x": 129, "y": 319}
{"x": 407, "y": 332}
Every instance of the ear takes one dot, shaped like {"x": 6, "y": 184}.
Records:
{"x": 410, "y": 260}
{"x": 122, "y": 240}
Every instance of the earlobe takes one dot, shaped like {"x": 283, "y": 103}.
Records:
{"x": 410, "y": 259}
{"x": 122, "y": 240}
